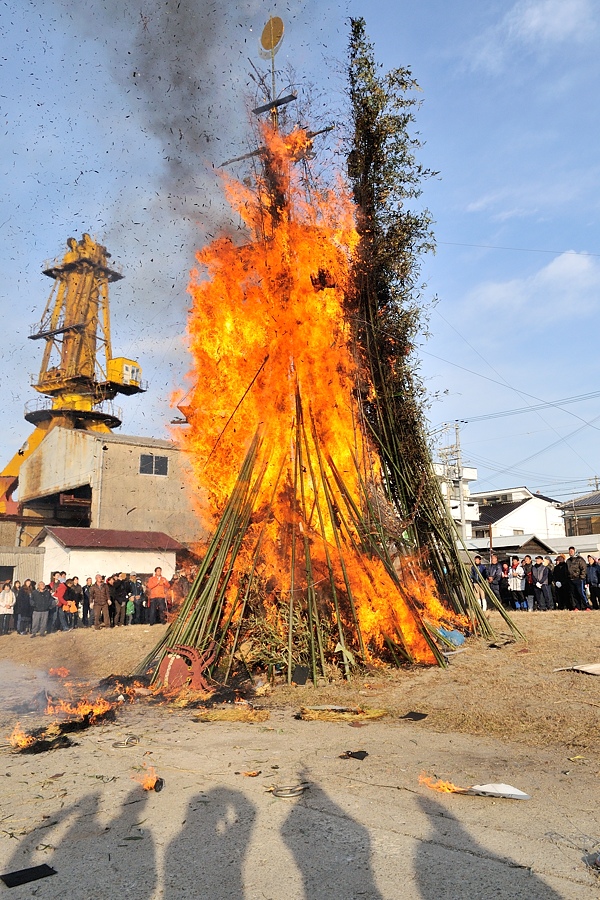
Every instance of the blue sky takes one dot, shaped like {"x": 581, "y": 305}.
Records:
{"x": 113, "y": 124}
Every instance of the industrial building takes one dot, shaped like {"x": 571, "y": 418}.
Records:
{"x": 74, "y": 472}
{"x": 110, "y": 481}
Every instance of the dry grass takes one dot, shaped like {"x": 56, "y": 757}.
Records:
{"x": 511, "y": 692}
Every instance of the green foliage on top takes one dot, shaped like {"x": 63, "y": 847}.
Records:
{"x": 385, "y": 173}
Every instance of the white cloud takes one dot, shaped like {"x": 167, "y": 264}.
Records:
{"x": 569, "y": 285}
{"x": 550, "y": 21}
{"x": 537, "y": 198}
{"x": 536, "y": 24}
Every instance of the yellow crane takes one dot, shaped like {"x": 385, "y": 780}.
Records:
{"x": 79, "y": 377}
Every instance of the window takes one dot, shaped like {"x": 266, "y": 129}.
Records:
{"x": 153, "y": 465}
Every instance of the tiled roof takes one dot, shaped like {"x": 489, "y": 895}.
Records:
{"x": 584, "y": 502}
{"x": 109, "y": 539}
{"x": 491, "y": 513}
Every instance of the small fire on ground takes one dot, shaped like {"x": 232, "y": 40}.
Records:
{"x": 19, "y": 739}
{"x": 149, "y": 779}
{"x": 90, "y": 709}
{"x": 71, "y": 717}
{"x": 60, "y": 672}
{"x": 443, "y": 787}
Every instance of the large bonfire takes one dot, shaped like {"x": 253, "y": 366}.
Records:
{"x": 309, "y": 562}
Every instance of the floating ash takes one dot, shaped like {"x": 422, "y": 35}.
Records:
{"x": 149, "y": 780}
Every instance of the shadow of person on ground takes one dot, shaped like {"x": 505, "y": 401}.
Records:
{"x": 206, "y": 858}
{"x": 332, "y": 850}
{"x": 94, "y": 859}
{"x": 452, "y": 864}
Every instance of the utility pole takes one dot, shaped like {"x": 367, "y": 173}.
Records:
{"x": 459, "y": 473}
{"x": 453, "y": 475}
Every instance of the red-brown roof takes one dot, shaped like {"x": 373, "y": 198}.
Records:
{"x": 110, "y": 539}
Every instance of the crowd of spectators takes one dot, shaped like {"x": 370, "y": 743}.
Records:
{"x": 539, "y": 583}
{"x": 103, "y": 602}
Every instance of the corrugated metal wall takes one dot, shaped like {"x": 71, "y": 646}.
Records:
{"x": 26, "y": 562}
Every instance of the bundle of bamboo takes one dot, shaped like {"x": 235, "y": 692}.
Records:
{"x": 350, "y": 597}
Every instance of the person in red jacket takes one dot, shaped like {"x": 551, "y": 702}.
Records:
{"x": 156, "y": 591}
{"x": 61, "y": 603}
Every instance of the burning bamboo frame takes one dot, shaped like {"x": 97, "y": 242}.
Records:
{"x": 341, "y": 574}
{"x": 302, "y": 566}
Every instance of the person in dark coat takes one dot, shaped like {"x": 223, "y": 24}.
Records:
{"x": 541, "y": 585}
{"x": 560, "y": 581}
{"x": 527, "y": 566}
{"x": 110, "y": 582}
{"x": 41, "y": 601}
{"x": 23, "y": 608}
{"x": 504, "y": 589}
{"x": 88, "y": 613}
{"x": 121, "y": 592}
{"x": 577, "y": 575}
{"x": 593, "y": 581}
{"x": 140, "y": 615}
{"x": 494, "y": 574}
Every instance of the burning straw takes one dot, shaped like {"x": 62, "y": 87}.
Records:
{"x": 73, "y": 717}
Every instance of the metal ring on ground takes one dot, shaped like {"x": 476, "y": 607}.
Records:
{"x": 289, "y": 791}
{"x": 130, "y": 741}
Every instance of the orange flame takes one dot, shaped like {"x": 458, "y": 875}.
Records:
{"x": 19, "y": 739}
{"x": 268, "y": 320}
{"x": 148, "y": 778}
{"x": 61, "y": 672}
{"x": 444, "y": 787}
{"x": 91, "y": 708}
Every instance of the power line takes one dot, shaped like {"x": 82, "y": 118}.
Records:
{"x": 543, "y": 450}
{"x": 523, "y": 409}
{"x": 519, "y": 249}
{"x": 505, "y": 384}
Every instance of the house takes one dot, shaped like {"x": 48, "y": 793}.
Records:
{"x": 515, "y": 545}
{"x": 582, "y": 515}
{"x": 87, "y": 551}
{"x": 516, "y": 512}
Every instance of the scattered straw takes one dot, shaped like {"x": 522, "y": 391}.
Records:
{"x": 339, "y": 714}
{"x": 233, "y": 714}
